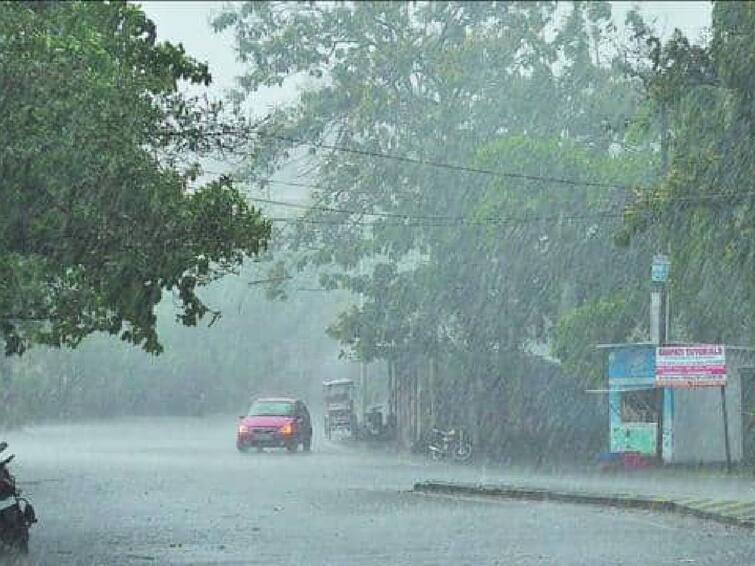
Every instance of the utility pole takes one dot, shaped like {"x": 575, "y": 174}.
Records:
{"x": 659, "y": 332}
{"x": 727, "y": 447}
{"x": 362, "y": 368}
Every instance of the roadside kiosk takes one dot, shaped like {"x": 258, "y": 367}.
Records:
{"x": 708, "y": 393}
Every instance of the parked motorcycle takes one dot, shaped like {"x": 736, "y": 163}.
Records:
{"x": 452, "y": 443}
{"x": 16, "y": 513}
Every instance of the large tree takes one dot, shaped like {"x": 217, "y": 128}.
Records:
{"x": 99, "y": 213}
{"x": 701, "y": 105}
{"x": 438, "y": 82}
{"x": 485, "y": 146}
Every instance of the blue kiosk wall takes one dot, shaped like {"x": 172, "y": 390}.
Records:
{"x": 693, "y": 429}
{"x": 631, "y": 367}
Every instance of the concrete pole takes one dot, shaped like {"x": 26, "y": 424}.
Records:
{"x": 658, "y": 326}
{"x": 362, "y": 369}
{"x": 655, "y": 316}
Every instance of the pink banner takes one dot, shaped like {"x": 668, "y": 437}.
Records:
{"x": 702, "y": 365}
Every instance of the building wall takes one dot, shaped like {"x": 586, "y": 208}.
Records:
{"x": 698, "y": 435}
{"x": 407, "y": 419}
{"x": 630, "y": 367}
{"x": 696, "y": 431}
{"x": 747, "y": 378}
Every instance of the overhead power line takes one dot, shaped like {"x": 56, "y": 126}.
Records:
{"x": 431, "y": 162}
{"x": 461, "y": 222}
{"x": 289, "y": 204}
{"x": 318, "y": 207}
{"x": 441, "y": 164}
{"x": 308, "y": 207}
{"x": 426, "y": 162}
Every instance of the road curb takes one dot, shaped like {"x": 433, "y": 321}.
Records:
{"x": 712, "y": 510}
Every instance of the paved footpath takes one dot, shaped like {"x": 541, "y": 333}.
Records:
{"x": 709, "y": 494}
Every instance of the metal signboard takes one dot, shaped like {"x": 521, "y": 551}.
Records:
{"x": 660, "y": 269}
{"x": 702, "y": 365}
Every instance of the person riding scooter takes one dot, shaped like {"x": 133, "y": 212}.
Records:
{"x": 16, "y": 513}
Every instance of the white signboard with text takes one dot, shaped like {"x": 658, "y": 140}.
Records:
{"x": 702, "y": 365}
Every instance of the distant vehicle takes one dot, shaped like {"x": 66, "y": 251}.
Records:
{"x": 275, "y": 423}
{"x": 376, "y": 425}
{"x": 340, "y": 415}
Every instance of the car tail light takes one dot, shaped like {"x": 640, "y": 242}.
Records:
{"x": 287, "y": 429}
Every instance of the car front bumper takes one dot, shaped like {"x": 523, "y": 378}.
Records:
{"x": 275, "y": 440}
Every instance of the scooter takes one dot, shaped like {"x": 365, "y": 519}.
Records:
{"x": 16, "y": 513}
{"x": 452, "y": 443}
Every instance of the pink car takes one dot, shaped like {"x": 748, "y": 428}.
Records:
{"x": 275, "y": 423}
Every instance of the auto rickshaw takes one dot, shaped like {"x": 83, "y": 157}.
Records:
{"x": 340, "y": 415}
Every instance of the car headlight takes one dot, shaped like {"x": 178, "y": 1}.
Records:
{"x": 243, "y": 429}
{"x": 287, "y": 429}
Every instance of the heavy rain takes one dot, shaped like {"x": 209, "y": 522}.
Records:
{"x": 345, "y": 283}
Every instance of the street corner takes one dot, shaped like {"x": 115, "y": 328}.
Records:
{"x": 726, "y": 511}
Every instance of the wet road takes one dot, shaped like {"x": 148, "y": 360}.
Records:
{"x": 176, "y": 491}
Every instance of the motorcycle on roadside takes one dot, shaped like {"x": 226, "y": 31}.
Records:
{"x": 16, "y": 513}
{"x": 453, "y": 443}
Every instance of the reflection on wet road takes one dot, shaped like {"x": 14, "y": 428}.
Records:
{"x": 176, "y": 491}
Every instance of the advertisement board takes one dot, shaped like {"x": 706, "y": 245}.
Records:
{"x": 702, "y": 365}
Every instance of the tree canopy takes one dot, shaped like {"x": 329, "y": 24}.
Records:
{"x": 702, "y": 99}
{"x": 450, "y": 83}
{"x": 100, "y": 214}
{"x": 502, "y": 95}
{"x": 472, "y": 162}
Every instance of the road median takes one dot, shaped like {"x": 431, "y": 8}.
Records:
{"x": 728, "y": 512}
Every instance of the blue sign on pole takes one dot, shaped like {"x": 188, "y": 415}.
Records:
{"x": 660, "y": 269}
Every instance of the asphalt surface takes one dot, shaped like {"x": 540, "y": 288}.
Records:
{"x": 176, "y": 491}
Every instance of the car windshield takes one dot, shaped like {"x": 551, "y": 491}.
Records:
{"x": 271, "y": 409}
